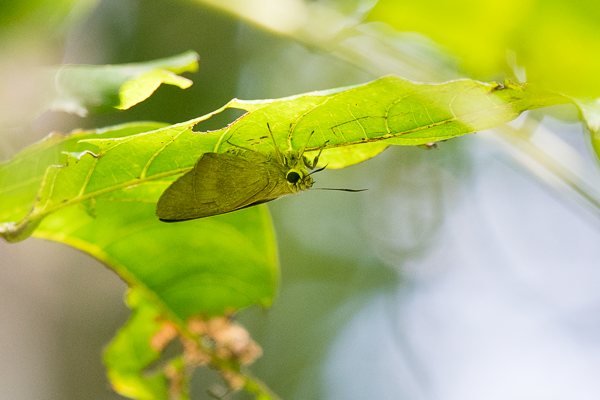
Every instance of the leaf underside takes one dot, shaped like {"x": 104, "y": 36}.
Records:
{"x": 97, "y": 191}
{"x": 78, "y": 89}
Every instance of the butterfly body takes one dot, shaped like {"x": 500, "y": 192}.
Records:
{"x": 225, "y": 182}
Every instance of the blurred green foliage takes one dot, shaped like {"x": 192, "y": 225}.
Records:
{"x": 553, "y": 43}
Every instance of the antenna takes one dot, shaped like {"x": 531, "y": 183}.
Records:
{"x": 342, "y": 189}
{"x": 337, "y": 189}
{"x": 277, "y": 152}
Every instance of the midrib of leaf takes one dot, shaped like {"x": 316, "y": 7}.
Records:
{"x": 482, "y": 106}
{"x": 85, "y": 182}
{"x": 511, "y": 108}
{"x": 103, "y": 191}
{"x": 40, "y": 211}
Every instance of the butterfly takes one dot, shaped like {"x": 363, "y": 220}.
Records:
{"x": 223, "y": 182}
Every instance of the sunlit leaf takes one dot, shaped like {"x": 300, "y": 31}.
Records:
{"x": 41, "y": 17}
{"x": 556, "y": 42}
{"x": 131, "y": 352}
{"x": 79, "y": 88}
{"x": 114, "y": 220}
{"x": 97, "y": 191}
{"x": 386, "y": 111}
{"x": 142, "y": 87}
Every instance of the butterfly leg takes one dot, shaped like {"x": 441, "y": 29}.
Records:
{"x": 311, "y": 164}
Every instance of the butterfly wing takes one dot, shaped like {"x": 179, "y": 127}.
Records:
{"x": 220, "y": 183}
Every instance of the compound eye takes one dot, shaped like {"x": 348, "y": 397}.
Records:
{"x": 293, "y": 177}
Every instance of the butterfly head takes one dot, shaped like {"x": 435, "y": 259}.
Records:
{"x": 299, "y": 179}
{"x": 297, "y": 173}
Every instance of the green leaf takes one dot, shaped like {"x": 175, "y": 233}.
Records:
{"x": 40, "y": 18}
{"x": 354, "y": 124}
{"x": 97, "y": 191}
{"x": 91, "y": 202}
{"x": 131, "y": 352}
{"x": 137, "y": 90}
{"x": 80, "y": 88}
{"x": 22, "y": 177}
{"x": 200, "y": 267}
{"x": 108, "y": 167}
{"x": 152, "y": 358}
{"x": 556, "y": 42}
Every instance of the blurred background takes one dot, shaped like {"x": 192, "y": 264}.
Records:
{"x": 468, "y": 271}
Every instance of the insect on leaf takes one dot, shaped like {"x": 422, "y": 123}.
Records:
{"x": 225, "y": 182}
